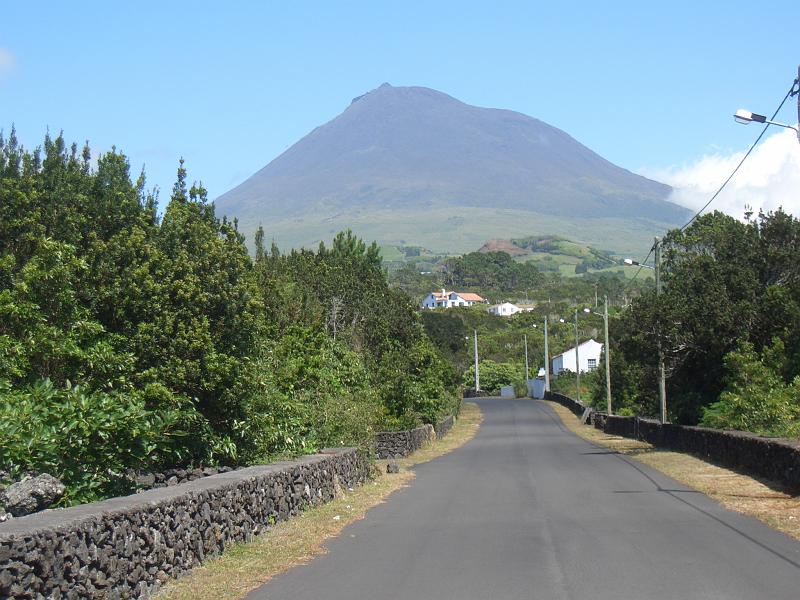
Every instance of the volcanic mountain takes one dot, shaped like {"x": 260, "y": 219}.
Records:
{"x": 410, "y": 165}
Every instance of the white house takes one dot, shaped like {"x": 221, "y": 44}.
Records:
{"x": 445, "y": 299}
{"x": 506, "y": 309}
{"x": 588, "y": 354}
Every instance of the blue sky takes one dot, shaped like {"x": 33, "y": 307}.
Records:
{"x": 229, "y": 86}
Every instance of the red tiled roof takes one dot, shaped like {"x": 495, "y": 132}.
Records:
{"x": 471, "y": 297}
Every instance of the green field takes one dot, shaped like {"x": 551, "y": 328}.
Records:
{"x": 459, "y": 230}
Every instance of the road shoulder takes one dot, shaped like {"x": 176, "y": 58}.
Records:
{"x": 767, "y": 501}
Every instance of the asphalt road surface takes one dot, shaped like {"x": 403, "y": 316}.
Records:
{"x": 529, "y": 510}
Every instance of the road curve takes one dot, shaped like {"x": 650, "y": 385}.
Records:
{"x": 529, "y": 510}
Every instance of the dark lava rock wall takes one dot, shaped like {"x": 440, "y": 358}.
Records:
{"x": 128, "y": 547}
{"x": 394, "y": 444}
{"x": 444, "y": 426}
{"x": 772, "y": 458}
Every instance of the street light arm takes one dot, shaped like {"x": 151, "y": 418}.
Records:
{"x": 635, "y": 263}
{"x": 746, "y": 117}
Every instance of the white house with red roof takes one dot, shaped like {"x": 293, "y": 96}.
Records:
{"x": 445, "y": 299}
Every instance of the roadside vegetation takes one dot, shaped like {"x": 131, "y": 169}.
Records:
{"x": 244, "y": 567}
{"x": 132, "y": 339}
{"x": 728, "y": 321}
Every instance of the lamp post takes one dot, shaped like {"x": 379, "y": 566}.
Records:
{"x": 527, "y": 377}
{"x": 546, "y": 359}
{"x": 607, "y": 349}
{"x": 577, "y": 360}
{"x": 662, "y": 380}
{"x": 745, "y": 117}
{"x": 477, "y": 372}
{"x": 546, "y": 356}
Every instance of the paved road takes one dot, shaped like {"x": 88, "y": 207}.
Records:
{"x": 529, "y": 510}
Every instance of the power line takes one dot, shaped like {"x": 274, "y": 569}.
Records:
{"x": 641, "y": 266}
{"x": 791, "y": 92}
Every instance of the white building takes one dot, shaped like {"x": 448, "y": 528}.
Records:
{"x": 445, "y": 299}
{"x": 506, "y": 309}
{"x": 588, "y": 353}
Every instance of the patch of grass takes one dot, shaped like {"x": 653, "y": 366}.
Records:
{"x": 245, "y": 567}
{"x": 767, "y": 501}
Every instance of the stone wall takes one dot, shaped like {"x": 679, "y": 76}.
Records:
{"x": 771, "y": 458}
{"x": 573, "y": 405}
{"x": 444, "y": 426}
{"x": 128, "y": 547}
{"x": 394, "y": 444}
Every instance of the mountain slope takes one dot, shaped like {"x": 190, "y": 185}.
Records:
{"x": 401, "y": 155}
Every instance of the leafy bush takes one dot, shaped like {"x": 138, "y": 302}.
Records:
{"x": 304, "y": 392}
{"x": 520, "y": 388}
{"x": 756, "y": 399}
{"x": 86, "y": 439}
{"x": 494, "y": 375}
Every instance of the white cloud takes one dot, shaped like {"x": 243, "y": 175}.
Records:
{"x": 769, "y": 178}
{"x": 7, "y": 63}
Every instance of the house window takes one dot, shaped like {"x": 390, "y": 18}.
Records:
{"x": 592, "y": 364}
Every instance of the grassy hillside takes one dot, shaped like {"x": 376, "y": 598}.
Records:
{"x": 449, "y": 230}
{"x": 555, "y": 254}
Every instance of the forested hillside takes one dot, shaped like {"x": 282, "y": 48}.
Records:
{"x": 133, "y": 340}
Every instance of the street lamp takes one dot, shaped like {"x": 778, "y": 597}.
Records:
{"x": 604, "y": 314}
{"x": 635, "y": 263}
{"x": 745, "y": 117}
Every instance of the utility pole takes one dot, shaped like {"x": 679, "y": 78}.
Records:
{"x": 577, "y": 360}
{"x": 608, "y": 356}
{"x": 662, "y": 384}
{"x": 527, "y": 377}
{"x": 477, "y": 372}
{"x": 546, "y": 359}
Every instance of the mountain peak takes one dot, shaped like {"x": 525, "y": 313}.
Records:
{"x": 382, "y": 86}
{"x": 398, "y": 151}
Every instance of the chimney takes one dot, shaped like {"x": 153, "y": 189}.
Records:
{"x": 443, "y": 292}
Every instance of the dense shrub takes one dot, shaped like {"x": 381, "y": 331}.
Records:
{"x": 87, "y": 439}
{"x": 304, "y": 392}
{"x": 494, "y": 375}
{"x": 756, "y": 398}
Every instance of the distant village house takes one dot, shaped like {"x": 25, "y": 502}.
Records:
{"x": 506, "y": 309}
{"x": 588, "y": 353}
{"x": 445, "y": 299}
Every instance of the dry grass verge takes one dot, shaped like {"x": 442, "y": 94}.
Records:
{"x": 765, "y": 500}
{"x": 245, "y": 567}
